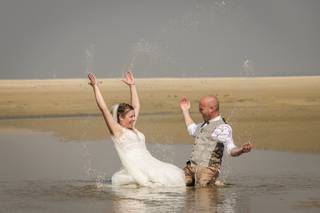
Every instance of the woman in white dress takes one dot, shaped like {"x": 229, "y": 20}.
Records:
{"x": 139, "y": 166}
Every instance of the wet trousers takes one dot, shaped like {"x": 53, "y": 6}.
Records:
{"x": 201, "y": 176}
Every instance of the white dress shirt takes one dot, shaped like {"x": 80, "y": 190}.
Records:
{"x": 223, "y": 133}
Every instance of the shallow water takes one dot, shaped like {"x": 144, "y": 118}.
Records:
{"x": 41, "y": 173}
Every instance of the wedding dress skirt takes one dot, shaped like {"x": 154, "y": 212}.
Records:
{"x": 139, "y": 166}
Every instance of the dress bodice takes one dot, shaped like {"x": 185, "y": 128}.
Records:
{"x": 130, "y": 140}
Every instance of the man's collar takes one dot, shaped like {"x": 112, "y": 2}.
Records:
{"x": 216, "y": 118}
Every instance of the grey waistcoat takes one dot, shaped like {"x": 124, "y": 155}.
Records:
{"x": 207, "y": 150}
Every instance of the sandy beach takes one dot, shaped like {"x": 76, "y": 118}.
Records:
{"x": 279, "y": 113}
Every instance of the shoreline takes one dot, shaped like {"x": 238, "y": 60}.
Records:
{"x": 80, "y": 115}
{"x": 278, "y": 113}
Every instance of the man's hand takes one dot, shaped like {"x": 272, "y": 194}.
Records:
{"x": 185, "y": 104}
{"x": 245, "y": 148}
{"x": 185, "y": 107}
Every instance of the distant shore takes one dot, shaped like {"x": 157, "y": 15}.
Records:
{"x": 281, "y": 113}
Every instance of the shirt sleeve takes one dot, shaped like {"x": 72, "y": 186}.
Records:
{"x": 223, "y": 133}
{"x": 192, "y": 129}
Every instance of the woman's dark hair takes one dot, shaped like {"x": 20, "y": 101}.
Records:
{"x": 123, "y": 109}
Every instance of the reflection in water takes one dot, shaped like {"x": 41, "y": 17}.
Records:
{"x": 210, "y": 200}
{"x": 45, "y": 196}
{"x": 145, "y": 199}
{"x": 204, "y": 199}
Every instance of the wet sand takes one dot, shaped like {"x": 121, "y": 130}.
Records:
{"x": 280, "y": 113}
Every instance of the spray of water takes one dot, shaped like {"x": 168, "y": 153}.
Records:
{"x": 192, "y": 18}
{"x": 91, "y": 173}
{"x": 156, "y": 52}
{"x": 145, "y": 52}
{"x": 88, "y": 167}
{"x": 89, "y": 59}
{"x": 248, "y": 67}
{"x": 247, "y": 71}
{"x": 162, "y": 152}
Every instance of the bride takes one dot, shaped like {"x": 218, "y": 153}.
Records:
{"x": 139, "y": 166}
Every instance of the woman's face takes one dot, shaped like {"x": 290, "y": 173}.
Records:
{"x": 128, "y": 120}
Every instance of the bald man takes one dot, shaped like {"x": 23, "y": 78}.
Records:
{"x": 212, "y": 137}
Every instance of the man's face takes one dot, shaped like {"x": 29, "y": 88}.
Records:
{"x": 204, "y": 109}
{"x": 208, "y": 108}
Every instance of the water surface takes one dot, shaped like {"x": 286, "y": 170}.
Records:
{"x": 42, "y": 173}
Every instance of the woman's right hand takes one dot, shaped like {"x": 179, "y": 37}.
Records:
{"x": 92, "y": 78}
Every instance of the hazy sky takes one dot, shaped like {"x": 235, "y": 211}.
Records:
{"x": 62, "y": 38}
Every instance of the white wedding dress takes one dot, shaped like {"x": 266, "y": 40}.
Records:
{"x": 139, "y": 166}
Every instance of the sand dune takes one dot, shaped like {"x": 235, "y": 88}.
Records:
{"x": 280, "y": 113}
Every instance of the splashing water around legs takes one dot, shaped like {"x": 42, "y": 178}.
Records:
{"x": 144, "y": 51}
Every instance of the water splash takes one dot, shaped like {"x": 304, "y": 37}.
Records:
{"x": 89, "y": 59}
{"x": 162, "y": 152}
{"x": 144, "y": 46}
{"x": 92, "y": 173}
{"x": 211, "y": 4}
{"x": 155, "y": 52}
{"x": 144, "y": 50}
{"x": 191, "y": 19}
{"x": 146, "y": 55}
{"x": 87, "y": 156}
{"x": 248, "y": 67}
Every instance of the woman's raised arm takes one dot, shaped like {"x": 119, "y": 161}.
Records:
{"x": 130, "y": 81}
{"x": 113, "y": 127}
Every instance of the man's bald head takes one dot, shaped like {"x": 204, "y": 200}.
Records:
{"x": 209, "y": 107}
{"x": 210, "y": 100}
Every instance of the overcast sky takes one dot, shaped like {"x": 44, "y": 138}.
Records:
{"x": 182, "y": 38}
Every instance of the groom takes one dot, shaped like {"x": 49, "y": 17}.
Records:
{"x": 211, "y": 138}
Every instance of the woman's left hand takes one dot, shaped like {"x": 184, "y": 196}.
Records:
{"x": 128, "y": 78}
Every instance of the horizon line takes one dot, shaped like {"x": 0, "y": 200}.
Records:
{"x": 167, "y": 77}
